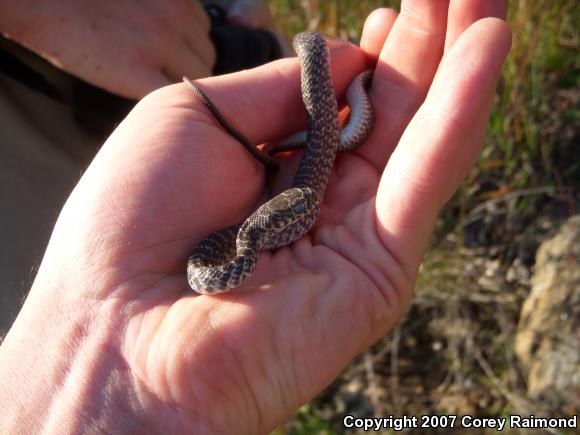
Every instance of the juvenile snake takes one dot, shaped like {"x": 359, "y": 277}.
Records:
{"x": 226, "y": 258}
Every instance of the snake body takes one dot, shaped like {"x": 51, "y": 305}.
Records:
{"x": 226, "y": 258}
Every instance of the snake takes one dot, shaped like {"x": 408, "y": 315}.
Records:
{"x": 225, "y": 259}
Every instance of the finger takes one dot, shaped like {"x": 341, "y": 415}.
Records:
{"x": 442, "y": 141}
{"x": 192, "y": 53}
{"x": 195, "y": 32}
{"x": 141, "y": 81}
{"x": 376, "y": 29}
{"x": 406, "y": 66}
{"x": 463, "y": 13}
{"x": 265, "y": 103}
{"x": 184, "y": 59}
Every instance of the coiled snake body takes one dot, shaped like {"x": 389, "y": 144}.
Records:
{"x": 226, "y": 258}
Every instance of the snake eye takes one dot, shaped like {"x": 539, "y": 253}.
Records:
{"x": 299, "y": 208}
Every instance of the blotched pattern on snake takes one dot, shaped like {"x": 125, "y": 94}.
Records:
{"x": 226, "y": 258}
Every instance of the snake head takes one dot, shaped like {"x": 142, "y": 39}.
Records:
{"x": 286, "y": 217}
{"x": 291, "y": 204}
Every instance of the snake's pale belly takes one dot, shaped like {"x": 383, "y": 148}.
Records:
{"x": 226, "y": 258}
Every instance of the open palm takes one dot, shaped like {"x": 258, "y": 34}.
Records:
{"x": 169, "y": 175}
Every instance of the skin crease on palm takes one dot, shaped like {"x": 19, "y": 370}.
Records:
{"x": 110, "y": 339}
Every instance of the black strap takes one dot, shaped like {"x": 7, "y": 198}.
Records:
{"x": 239, "y": 47}
{"x": 15, "y": 68}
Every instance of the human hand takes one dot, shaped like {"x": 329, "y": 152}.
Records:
{"x": 128, "y": 346}
{"x": 129, "y": 48}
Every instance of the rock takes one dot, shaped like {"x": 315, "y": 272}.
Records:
{"x": 548, "y": 337}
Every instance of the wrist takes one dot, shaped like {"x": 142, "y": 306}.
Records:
{"x": 57, "y": 369}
